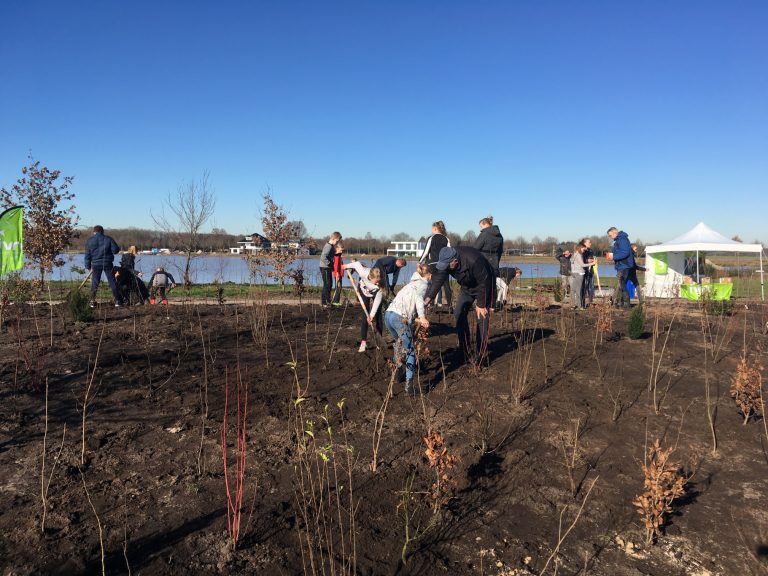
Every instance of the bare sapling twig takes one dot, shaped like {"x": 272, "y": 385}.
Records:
{"x": 562, "y": 536}
{"x": 203, "y": 397}
{"x": 44, "y": 486}
{"x": 87, "y": 397}
{"x": 520, "y": 360}
{"x": 710, "y": 407}
{"x": 567, "y": 444}
{"x": 338, "y": 331}
{"x": 657, "y": 357}
{"x": 98, "y": 522}
{"x": 378, "y": 425}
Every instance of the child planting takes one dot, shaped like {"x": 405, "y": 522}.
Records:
{"x": 370, "y": 291}
{"x": 404, "y": 309}
{"x": 159, "y": 283}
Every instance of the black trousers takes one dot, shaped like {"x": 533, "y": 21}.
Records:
{"x": 325, "y": 297}
{"x": 377, "y": 324}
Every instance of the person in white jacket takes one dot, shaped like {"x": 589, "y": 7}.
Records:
{"x": 407, "y": 305}
{"x": 369, "y": 287}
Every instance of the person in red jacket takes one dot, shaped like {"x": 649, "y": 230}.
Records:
{"x": 337, "y": 269}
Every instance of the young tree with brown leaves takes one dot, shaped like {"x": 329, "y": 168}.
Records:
{"x": 280, "y": 232}
{"x": 49, "y": 225}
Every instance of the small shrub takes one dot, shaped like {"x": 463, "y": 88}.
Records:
{"x": 746, "y": 388}
{"x": 559, "y": 289}
{"x": 664, "y": 483}
{"x": 79, "y": 306}
{"x": 636, "y": 323}
{"x": 718, "y": 307}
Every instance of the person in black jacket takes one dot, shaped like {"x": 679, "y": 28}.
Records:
{"x": 490, "y": 242}
{"x": 475, "y": 276}
{"x": 389, "y": 265}
{"x": 100, "y": 251}
{"x": 436, "y": 242}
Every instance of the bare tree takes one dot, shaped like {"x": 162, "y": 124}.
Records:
{"x": 299, "y": 229}
{"x": 188, "y": 210}
{"x": 48, "y": 227}
{"x": 469, "y": 237}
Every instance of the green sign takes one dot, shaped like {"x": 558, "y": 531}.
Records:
{"x": 660, "y": 265}
{"x": 11, "y": 240}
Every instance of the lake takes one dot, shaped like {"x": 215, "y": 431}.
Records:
{"x": 207, "y": 269}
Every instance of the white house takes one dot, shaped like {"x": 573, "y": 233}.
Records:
{"x": 253, "y": 243}
{"x": 406, "y": 248}
{"x": 256, "y": 243}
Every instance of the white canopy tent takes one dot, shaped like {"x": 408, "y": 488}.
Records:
{"x": 666, "y": 263}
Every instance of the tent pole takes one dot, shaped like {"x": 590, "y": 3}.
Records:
{"x": 698, "y": 274}
{"x": 762, "y": 285}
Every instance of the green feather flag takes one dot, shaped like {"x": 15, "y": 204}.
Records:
{"x": 11, "y": 240}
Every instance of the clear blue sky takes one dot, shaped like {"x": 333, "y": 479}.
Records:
{"x": 559, "y": 118}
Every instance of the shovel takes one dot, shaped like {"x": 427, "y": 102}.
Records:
{"x": 85, "y": 280}
{"x": 362, "y": 305}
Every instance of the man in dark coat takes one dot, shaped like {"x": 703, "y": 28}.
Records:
{"x": 624, "y": 262}
{"x": 475, "y": 276}
{"x": 100, "y": 251}
{"x": 490, "y": 242}
{"x": 389, "y": 265}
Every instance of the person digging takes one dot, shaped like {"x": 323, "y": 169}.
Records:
{"x": 160, "y": 283}
{"x": 475, "y": 275}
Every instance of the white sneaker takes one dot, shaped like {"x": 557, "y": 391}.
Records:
{"x": 362, "y": 347}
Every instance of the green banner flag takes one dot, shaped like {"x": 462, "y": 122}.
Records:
{"x": 11, "y": 239}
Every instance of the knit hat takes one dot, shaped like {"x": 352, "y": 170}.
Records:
{"x": 444, "y": 258}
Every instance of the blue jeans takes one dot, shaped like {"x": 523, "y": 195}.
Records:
{"x": 401, "y": 333}
{"x": 96, "y": 279}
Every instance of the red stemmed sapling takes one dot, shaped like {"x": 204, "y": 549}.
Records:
{"x": 235, "y": 485}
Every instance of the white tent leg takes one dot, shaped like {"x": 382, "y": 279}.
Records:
{"x": 698, "y": 274}
{"x": 762, "y": 284}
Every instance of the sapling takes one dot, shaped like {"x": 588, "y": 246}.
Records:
{"x": 636, "y": 322}
{"x": 562, "y": 536}
{"x": 44, "y": 486}
{"x": 663, "y": 483}
{"x": 746, "y": 387}
{"x": 88, "y": 396}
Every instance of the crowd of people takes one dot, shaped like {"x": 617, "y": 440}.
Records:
{"x": 482, "y": 282}
{"x": 476, "y": 269}
{"x": 124, "y": 281}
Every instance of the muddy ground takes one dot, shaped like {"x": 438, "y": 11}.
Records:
{"x": 150, "y": 460}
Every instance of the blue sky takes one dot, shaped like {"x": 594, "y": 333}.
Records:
{"x": 559, "y": 118}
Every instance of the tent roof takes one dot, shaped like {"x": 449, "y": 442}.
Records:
{"x": 702, "y": 238}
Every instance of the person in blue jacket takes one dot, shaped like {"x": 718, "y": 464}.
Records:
{"x": 624, "y": 262}
{"x": 100, "y": 251}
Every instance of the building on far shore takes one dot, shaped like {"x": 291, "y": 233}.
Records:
{"x": 256, "y": 243}
{"x": 406, "y": 248}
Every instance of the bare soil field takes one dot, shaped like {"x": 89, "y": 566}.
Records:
{"x": 529, "y": 465}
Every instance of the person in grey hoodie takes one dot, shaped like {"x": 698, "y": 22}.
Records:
{"x": 490, "y": 242}
{"x": 326, "y": 268}
{"x": 407, "y": 305}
